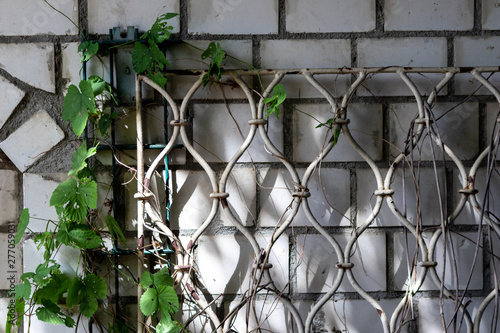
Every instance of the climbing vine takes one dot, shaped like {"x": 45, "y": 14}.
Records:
{"x": 48, "y": 293}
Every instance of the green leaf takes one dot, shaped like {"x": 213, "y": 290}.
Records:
{"x": 147, "y": 280}
{"x": 88, "y": 49}
{"x": 275, "y": 100}
{"x": 86, "y": 239}
{"x": 163, "y": 278}
{"x": 95, "y": 286}
{"x": 56, "y": 286}
{"x": 158, "y": 78}
{"x": 105, "y": 122}
{"x": 168, "y": 326}
{"x": 149, "y": 302}
{"x": 115, "y": 230}
{"x": 88, "y": 306}
{"x": 98, "y": 85}
{"x": 79, "y": 158}
{"x": 215, "y": 52}
{"x": 23, "y": 290}
{"x": 160, "y": 31}
{"x": 49, "y": 313}
{"x": 76, "y": 198}
{"x": 76, "y": 292}
{"x": 77, "y": 106}
{"x": 167, "y": 300}
{"x": 24, "y": 220}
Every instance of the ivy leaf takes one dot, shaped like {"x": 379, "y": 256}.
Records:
{"x": 98, "y": 85}
{"x": 167, "y": 300}
{"x": 79, "y": 158}
{"x": 149, "y": 302}
{"x": 115, "y": 230}
{"x": 88, "y": 49}
{"x": 158, "y": 78}
{"x": 146, "y": 280}
{"x": 77, "y": 106}
{"x": 95, "y": 286}
{"x": 275, "y": 100}
{"x": 86, "y": 239}
{"x": 75, "y": 292}
{"x": 24, "y": 220}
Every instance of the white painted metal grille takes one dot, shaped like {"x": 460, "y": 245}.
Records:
{"x": 425, "y": 259}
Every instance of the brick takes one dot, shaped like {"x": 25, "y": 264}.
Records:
{"x": 430, "y": 320}
{"x": 233, "y": 17}
{"x": 4, "y": 311}
{"x": 429, "y": 205}
{"x": 492, "y": 115}
{"x": 330, "y": 16}
{"x": 40, "y": 73}
{"x": 24, "y": 149}
{"x": 10, "y": 261}
{"x": 65, "y": 257}
{"x": 455, "y": 119}
{"x": 463, "y": 252}
{"x": 409, "y": 52}
{"x": 234, "y": 254}
{"x": 12, "y": 96}
{"x": 428, "y": 15}
{"x": 106, "y": 15}
{"x": 344, "y": 316}
{"x": 330, "y": 198}
{"x": 9, "y": 193}
{"x": 299, "y": 54}
{"x": 242, "y": 190}
{"x": 191, "y": 203}
{"x": 317, "y": 271}
{"x": 217, "y": 138}
{"x": 37, "y": 190}
{"x": 184, "y": 56}
{"x": 490, "y": 15}
{"x": 271, "y": 316}
{"x": 26, "y": 17}
{"x": 474, "y": 52}
{"x": 308, "y": 141}
{"x": 275, "y": 196}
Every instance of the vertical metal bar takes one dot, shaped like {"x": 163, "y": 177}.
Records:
{"x": 114, "y": 182}
{"x": 140, "y": 203}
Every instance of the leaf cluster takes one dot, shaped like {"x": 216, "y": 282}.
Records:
{"x": 147, "y": 56}
{"x": 216, "y": 54}
{"x": 161, "y": 299}
{"x": 274, "y": 101}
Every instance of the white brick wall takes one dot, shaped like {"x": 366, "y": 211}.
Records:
{"x": 35, "y": 17}
{"x": 39, "y": 60}
{"x": 330, "y": 16}
{"x": 23, "y": 148}
{"x": 40, "y": 73}
{"x": 429, "y": 15}
{"x": 233, "y": 17}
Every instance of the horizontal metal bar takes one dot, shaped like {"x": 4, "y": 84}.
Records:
{"x": 342, "y": 70}
{"x": 134, "y": 146}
